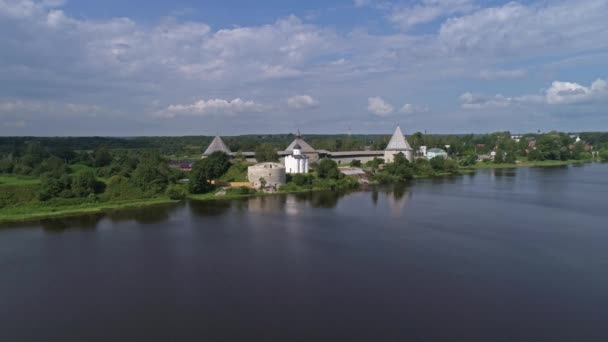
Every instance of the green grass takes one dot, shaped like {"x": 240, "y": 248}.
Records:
{"x": 42, "y": 210}
{"x": 16, "y": 180}
{"x": 236, "y": 173}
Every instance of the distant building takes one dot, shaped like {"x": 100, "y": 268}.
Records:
{"x": 266, "y": 175}
{"x": 296, "y": 162}
{"x": 398, "y": 144}
{"x": 356, "y": 173}
{"x": 436, "y": 152}
{"x": 422, "y": 151}
{"x": 183, "y": 165}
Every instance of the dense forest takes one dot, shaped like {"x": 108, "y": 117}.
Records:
{"x": 195, "y": 145}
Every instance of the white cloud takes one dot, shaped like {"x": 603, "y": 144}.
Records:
{"x": 515, "y": 29}
{"x": 379, "y": 107}
{"x": 213, "y": 107}
{"x": 560, "y": 93}
{"x": 490, "y": 75}
{"x": 477, "y": 101}
{"x": 57, "y": 57}
{"x": 409, "y": 108}
{"x": 302, "y": 102}
{"x": 427, "y": 11}
{"x": 569, "y": 92}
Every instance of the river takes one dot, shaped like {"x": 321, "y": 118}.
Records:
{"x": 501, "y": 255}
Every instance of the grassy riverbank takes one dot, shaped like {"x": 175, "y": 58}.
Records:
{"x": 42, "y": 210}
{"x": 39, "y": 210}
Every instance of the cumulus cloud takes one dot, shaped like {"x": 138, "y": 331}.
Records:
{"x": 379, "y": 107}
{"x": 569, "y": 92}
{"x": 302, "y": 102}
{"x": 516, "y": 28}
{"x": 212, "y": 107}
{"x": 426, "y": 11}
{"x": 123, "y": 65}
{"x": 560, "y": 93}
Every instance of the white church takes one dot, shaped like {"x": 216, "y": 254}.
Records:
{"x": 296, "y": 162}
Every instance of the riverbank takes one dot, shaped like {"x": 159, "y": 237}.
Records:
{"x": 42, "y": 211}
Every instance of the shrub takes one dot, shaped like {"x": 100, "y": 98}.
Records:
{"x": 438, "y": 163}
{"x": 120, "y": 187}
{"x": 328, "y": 169}
{"x": 355, "y": 163}
{"x": 423, "y": 167}
{"x": 468, "y": 160}
{"x": 240, "y": 191}
{"x": 450, "y": 166}
{"x": 176, "y": 192}
{"x": 301, "y": 179}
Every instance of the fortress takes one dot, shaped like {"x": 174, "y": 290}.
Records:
{"x": 397, "y": 144}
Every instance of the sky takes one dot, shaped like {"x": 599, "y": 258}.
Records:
{"x": 186, "y": 67}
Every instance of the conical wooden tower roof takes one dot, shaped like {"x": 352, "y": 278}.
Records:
{"x": 398, "y": 142}
{"x": 304, "y": 146}
{"x": 217, "y": 145}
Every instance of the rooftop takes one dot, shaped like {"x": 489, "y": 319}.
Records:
{"x": 398, "y": 142}
{"x": 217, "y": 145}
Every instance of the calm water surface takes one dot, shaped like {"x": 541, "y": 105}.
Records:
{"x": 502, "y": 255}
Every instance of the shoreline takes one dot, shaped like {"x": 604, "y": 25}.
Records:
{"x": 95, "y": 208}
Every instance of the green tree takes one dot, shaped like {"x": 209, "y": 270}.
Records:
{"x": 54, "y": 167}
{"x": 102, "y": 157}
{"x": 84, "y": 183}
{"x": 200, "y": 177}
{"x": 417, "y": 140}
{"x": 176, "y": 192}
{"x": 400, "y": 169}
{"x": 266, "y": 153}
{"x": 216, "y": 165}
{"x": 355, "y": 163}
{"x": 468, "y": 159}
{"x": 6, "y": 165}
{"x": 152, "y": 174}
{"x": 438, "y": 163}
{"x": 328, "y": 169}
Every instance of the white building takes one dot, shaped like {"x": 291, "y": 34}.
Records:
{"x": 422, "y": 151}
{"x": 296, "y": 162}
{"x": 436, "y": 152}
{"x": 398, "y": 144}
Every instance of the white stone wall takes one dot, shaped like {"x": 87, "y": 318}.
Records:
{"x": 389, "y": 156}
{"x": 272, "y": 173}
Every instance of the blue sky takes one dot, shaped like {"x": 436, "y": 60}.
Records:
{"x": 183, "y": 67}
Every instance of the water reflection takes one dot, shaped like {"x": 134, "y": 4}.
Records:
{"x": 75, "y": 222}
{"x": 150, "y": 215}
{"x": 209, "y": 208}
